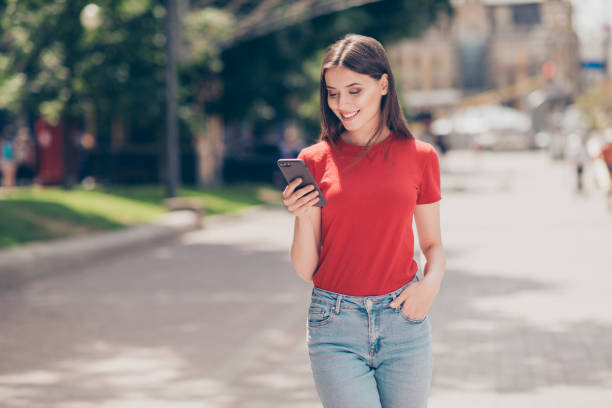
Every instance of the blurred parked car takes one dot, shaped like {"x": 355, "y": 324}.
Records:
{"x": 258, "y": 165}
{"x": 489, "y": 127}
{"x": 503, "y": 139}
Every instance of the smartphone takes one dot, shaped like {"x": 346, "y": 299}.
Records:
{"x": 294, "y": 168}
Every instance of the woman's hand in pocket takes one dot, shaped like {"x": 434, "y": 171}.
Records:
{"x": 416, "y": 300}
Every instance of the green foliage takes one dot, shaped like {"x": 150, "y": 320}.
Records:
{"x": 59, "y": 62}
{"x": 277, "y": 76}
{"x": 596, "y": 102}
{"x": 200, "y": 84}
{"x": 30, "y": 214}
{"x": 28, "y": 220}
{"x": 71, "y": 57}
{"x": 11, "y": 86}
{"x": 56, "y": 63}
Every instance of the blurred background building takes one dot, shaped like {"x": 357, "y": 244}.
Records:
{"x": 495, "y": 74}
{"x": 490, "y": 45}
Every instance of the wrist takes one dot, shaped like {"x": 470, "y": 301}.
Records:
{"x": 430, "y": 284}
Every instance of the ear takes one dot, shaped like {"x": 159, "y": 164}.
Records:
{"x": 384, "y": 84}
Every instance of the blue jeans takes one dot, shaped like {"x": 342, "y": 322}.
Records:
{"x": 364, "y": 353}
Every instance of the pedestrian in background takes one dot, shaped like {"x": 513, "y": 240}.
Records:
{"x": 368, "y": 329}
{"x": 8, "y": 165}
{"x": 606, "y": 155}
{"x": 292, "y": 144}
{"x": 579, "y": 156}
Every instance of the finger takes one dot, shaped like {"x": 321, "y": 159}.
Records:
{"x": 291, "y": 187}
{"x": 312, "y": 202}
{"x": 398, "y": 300}
{"x": 296, "y": 182}
{"x": 308, "y": 198}
{"x": 405, "y": 294}
{"x": 294, "y": 200}
{"x": 298, "y": 194}
{"x": 305, "y": 200}
{"x": 304, "y": 208}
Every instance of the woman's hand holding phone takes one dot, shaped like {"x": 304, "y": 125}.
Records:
{"x": 300, "y": 202}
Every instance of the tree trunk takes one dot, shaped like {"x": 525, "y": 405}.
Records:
{"x": 210, "y": 149}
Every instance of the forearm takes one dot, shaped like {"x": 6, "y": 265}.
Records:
{"x": 434, "y": 261}
{"x": 305, "y": 248}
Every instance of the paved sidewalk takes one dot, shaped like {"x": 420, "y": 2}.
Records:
{"x": 39, "y": 259}
{"x": 523, "y": 319}
{"x": 216, "y": 318}
{"x": 33, "y": 260}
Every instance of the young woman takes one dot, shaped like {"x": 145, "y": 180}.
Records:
{"x": 368, "y": 332}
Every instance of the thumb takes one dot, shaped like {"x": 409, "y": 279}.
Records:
{"x": 397, "y": 301}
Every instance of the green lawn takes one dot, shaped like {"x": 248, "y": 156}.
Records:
{"x": 34, "y": 214}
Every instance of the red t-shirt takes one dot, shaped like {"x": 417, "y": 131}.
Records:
{"x": 367, "y": 242}
{"x": 606, "y": 153}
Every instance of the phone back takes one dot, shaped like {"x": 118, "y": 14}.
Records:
{"x": 294, "y": 168}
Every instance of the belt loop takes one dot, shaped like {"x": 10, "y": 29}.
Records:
{"x": 395, "y": 295}
{"x": 398, "y": 292}
{"x": 338, "y": 299}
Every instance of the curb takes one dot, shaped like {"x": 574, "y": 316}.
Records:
{"x": 220, "y": 219}
{"x": 35, "y": 260}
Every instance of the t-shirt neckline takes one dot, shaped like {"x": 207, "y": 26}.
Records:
{"x": 349, "y": 147}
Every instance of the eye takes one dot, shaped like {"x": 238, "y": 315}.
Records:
{"x": 331, "y": 95}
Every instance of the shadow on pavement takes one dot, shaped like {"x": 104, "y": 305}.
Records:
{"x": 480, "y": 350}
{"x": 212, "y": 324}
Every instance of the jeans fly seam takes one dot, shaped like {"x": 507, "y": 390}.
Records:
{"x": 338, "y": 300}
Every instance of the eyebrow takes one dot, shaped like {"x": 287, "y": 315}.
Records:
{"x": 354, "y": 83}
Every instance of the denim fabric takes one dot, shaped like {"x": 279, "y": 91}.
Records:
{"x": 364, "y": 353}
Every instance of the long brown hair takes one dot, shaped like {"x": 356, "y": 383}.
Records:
{"x": 364, "y": 55}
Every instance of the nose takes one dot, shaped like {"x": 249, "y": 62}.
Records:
{"x": 343, "y": 104}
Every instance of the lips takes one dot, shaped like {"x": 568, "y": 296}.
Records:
{"x": 349, "y": 116}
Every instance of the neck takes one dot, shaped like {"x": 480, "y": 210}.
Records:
{"x": 361, "y": 136}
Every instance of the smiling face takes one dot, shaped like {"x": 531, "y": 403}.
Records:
{"x": 355, "y": 99}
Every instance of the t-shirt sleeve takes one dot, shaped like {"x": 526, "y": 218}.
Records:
{"x": 308, "y": 160}
{"x": 301, "y": 154}
{"x": 429, "y": 189}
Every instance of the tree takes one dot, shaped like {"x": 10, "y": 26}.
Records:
{"x": 276, "y": 76}
{"x": 204, "y": 30}
{"x": 265, "y": 78}
{"x": 58, "y": 68}
{"x": 109, "y": 72}
{"x": 596, "y": 102}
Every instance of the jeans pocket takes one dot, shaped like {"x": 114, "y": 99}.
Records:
{"x": 319, "y": 313}
{"x": 410, "y": 320}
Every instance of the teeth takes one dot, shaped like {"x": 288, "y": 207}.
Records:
{"x": 351, "y": 115}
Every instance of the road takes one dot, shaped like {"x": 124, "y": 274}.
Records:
{"x": 217, "y": 317}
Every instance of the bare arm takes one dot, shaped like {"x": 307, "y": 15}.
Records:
{"x": 417, "y": 298}
{"x": 307, "y": 228}
{"x": 306, "y": 243}
{"x": 427, "y": 219}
